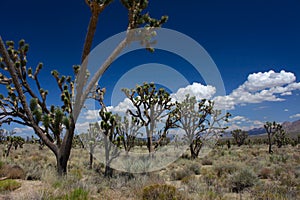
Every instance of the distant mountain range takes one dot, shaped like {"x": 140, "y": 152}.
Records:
{"x": 290, "y": 128}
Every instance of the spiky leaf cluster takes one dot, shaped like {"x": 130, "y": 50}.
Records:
{"x": 54, "y": 118}
{"x": 149, "y": 102}
{"x": 138, "y": 18}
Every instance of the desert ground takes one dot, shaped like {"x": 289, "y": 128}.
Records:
{"x": 245, "y": 172}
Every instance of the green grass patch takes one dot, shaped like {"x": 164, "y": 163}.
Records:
{"x": 9, "y": 185}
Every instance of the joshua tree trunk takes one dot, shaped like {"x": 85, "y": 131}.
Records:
{"x": 193, "y": 153}
{"x": 270, "y": 144}
{"x": 64, "y": 151}
{"x": 91, "y": 161}
{"x": 61, "y": 163}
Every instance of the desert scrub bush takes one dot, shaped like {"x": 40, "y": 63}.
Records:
{"x": 34, "y": 172}
{"x": 242, "y": 179}
{"x": 78, "y": 193}
{"x": 281, "y": 158}
{"x": 9, "y": 185}
{"x": 12, "y": 172}
{"x": 224, "y": 169}
{"x": 180, "y": 174}
{"x": 161, "y": 192}
{"x": 206, "y": 161}
{"x": 193, "y": 184}
{"x": 273, "y": 191}
{"x": 265, "y": 173}
{"x": 288, "y": 179}
{"x": 196, "y": 168}
{"x": 209, "y": 195}
{"x": 208, "y": 176}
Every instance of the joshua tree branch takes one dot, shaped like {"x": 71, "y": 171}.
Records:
{"x": 22, "y": 97}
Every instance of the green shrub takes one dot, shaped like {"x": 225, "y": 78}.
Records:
{"x": 9, "y": 185}
{"x": 78, "y": 193}
{"x": 242, "y": 179}
{"x": 161, "y": 192}
{"x": 195, "y": 167}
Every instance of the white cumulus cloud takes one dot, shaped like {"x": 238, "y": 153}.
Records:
{"x": 260, "y": 87}
{"x": 197, "y": 90}
{"x": 295, "y": 116}
{"x": 122, "y": 107}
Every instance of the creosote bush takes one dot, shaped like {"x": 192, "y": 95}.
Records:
{"x": 242, "y": 179}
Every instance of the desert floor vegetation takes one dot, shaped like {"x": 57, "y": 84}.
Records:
{"x": 246, "y": 172}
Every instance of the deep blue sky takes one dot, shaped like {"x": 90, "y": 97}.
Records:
{"x": 242, "y": 37}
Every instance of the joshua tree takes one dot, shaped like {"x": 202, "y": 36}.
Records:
{"x": 280, "y": 138}
{"x": 92, "y": 139}
{"x": 12, "y": 141}
{"x": 150, "y": 107}
{"x": 127, "y": 131}
{"x": 25, "y": 102}
{"x": 272, "y": 129}
{"x": 77, "y": 142}
{"x": 199, "y": 121}
{"x": 239, "y": 136}
{"x": 3, "y": 135}
{"x": 111, "y": 141}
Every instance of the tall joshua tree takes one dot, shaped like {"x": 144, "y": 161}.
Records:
{"x": 199, "y": 121}
{"x": 239, "y": 136}
{"x": 25, "y": 101}
{"x": 272, "y": 128}
{"x": 150, "y": 107}
{"x": 128, "y": 130}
